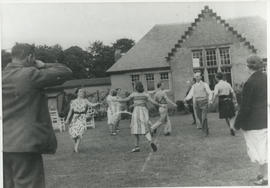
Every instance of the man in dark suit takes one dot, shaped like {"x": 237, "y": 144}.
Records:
{"x": 252, "y": 117}
{"x": 27, "y": 129}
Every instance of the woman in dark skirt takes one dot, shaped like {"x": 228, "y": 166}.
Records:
{"x": 226, "y": 100}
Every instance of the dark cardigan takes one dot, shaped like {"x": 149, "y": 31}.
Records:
{"x": 253, "y": 109}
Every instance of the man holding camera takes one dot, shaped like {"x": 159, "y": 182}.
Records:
{"x": 27, "y": 128}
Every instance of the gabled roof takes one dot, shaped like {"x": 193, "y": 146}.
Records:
{"x": 82, "y": 83}
{"x": 151, "y": 50}
{"x": 161, "y": 42}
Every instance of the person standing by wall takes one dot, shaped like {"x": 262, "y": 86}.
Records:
{"x": 27, "y": 128}
{"x": 252, "y": 116}
{"x": 202, "y": 95}
{"x": 161, "y": 98}
{"x": 227, "y": 101}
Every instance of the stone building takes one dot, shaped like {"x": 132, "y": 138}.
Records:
{"x": 171, "y": 53}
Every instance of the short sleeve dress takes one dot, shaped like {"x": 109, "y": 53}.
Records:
{"x": 140, "y": 117}
{"x": 78, "y": 122}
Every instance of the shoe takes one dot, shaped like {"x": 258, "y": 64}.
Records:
{"x": 136, "y": 149}
{"x": 232, "y": 132}
{"x": 154, "y": 147}
{"x": 118, "y": 130}
{"x": 261, "y": 182}
{"x": 113, "y": 134}
{"x": 167, "y": 134}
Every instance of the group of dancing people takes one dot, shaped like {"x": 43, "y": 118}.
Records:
{"x": 198, "y": 98}
{"x": 28, "y": 131}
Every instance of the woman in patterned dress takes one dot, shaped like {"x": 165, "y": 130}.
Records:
{"x": 140, "y": 124}
{"x": 78, "y": 110}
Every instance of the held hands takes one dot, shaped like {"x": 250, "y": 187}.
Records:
{"x": 66, "y": 122}
{"x": 39, "y": 64}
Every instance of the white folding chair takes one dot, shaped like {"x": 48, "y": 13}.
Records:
{"x": 57, "y": 122}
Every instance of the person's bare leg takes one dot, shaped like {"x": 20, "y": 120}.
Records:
{"x": 137, "y": 144}
{"x": 229, "y": 125}
{"x": 77, "y": 144}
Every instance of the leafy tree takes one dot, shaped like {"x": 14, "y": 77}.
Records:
{"x": 123, "y": 44}
{"x": 102, "y": 58}
{"x": 5, "y": 58}
{"x": 78, "y": 60}
{"x": 49, "y": 54}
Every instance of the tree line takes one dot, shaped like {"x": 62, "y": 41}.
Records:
{"x": 93, "y": 62}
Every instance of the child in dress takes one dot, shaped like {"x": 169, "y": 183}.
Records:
{"x": 112, "y": 111}
{"x": 140, "y": 124}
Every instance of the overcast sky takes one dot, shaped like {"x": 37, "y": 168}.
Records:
{"x": 70, "y": 24}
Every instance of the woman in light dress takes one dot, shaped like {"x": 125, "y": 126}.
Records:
{"x": 78, "y": 110}
{"x": 140, "y": 124}
{"x": 112, "y": 111}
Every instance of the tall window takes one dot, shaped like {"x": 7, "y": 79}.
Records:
{"x": 224, "y": 56}
{"x": 210, "y": 62}
{"x": 197, "y": 59}
{"x": 164, "y": 77}
{"x": 211, "y": 58}
{"x": 211, "y": 76}
{"x": 227, "y": 74}
{"x": 134, "y": 79}
{"x": 150, "y": 82}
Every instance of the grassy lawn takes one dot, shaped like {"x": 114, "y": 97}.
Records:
{"x": 186, "y": 158}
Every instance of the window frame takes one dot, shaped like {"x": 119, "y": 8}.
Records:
{"x": 152, "y": 80}
{"x": 205, "y": 69}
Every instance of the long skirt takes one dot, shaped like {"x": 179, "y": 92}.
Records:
{"x": 78, "y": 125}
{"x": 226, "y": 107}
{"x": 256, "y": 141}
{"x": 140, "y": 120}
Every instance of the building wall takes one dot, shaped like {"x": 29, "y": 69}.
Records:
{"x": 124, "y": 81}
{"x": 207, "y": 34}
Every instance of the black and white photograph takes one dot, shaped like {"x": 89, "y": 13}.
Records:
{"x": 134, "y": 94}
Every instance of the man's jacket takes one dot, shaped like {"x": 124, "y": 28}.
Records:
{"x": 26, "y": 121}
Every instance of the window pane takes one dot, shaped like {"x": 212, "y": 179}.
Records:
{"x": 211, "y": 76}
{"x": 150, "y": 82}
{"x": 227, "y": 74}
{"x": 164, "y": 77}
{"x": 211, "y": 59}
{"x": 134, "y": 79}
{"x": 224, "y": 56}
{"x": 197, "y": 54}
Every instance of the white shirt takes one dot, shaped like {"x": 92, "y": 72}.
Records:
{"x": 222, "y": 88}
{"x": 199, "y": 84}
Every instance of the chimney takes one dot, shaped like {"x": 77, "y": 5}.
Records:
{"x": 117, "y": 54}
